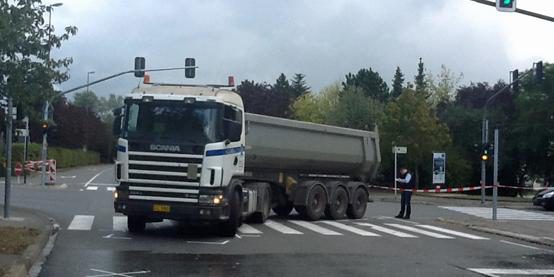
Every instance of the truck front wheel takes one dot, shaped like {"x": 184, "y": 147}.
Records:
{"x": 229, "y": 228}
{"x": 136, "y": 224}
{"x": 357, "y": 209}
{"x": 315, "y": 206}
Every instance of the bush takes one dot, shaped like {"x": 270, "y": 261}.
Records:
{"x": 64, "y": 157}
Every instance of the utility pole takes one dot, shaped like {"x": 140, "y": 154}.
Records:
{"x": 484, "y": 141}
{"x": 7, "y": 186}
{"x": 495, "y": 176}
{"x": 26, "y": 148}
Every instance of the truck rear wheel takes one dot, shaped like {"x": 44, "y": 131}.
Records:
{"x": 357, "y": 209}
{"x": 229, "y": 228}
{"x": 136, "y": 224}
{"x": 283, "y": 210}
{"x": 338, "y": 204}
{"x": 315, "y": 206}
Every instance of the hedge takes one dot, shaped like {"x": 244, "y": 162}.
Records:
{"x": 64, "y": 157}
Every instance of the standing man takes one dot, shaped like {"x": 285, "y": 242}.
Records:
{"x": 408, "y": 184}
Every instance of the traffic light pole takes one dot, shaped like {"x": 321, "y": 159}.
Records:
{"x": 51, "y": 99}
{"x": 521, "y": 11}
{"x": 8, "y": 184}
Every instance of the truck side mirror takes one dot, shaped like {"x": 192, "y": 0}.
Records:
{"x": 233, "y": 130}
{"x": 118, "y": 116}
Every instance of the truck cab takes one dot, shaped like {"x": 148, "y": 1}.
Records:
{"x": 178, "y": 149}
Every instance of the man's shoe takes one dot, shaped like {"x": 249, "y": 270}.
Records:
{"x": 399, "y": 216}
{"x": 407, "y": 217}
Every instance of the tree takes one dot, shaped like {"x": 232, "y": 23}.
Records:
{"x": 299, "y": 85}
{"x": 410, "y": 122}
{"x": 87, "y": 100}
{"x": 443, "y": 90}
{"x": 319, "y": 107}
{"x": 421, "y": 81}
{"x": 26, "y": 70}
{"x": 397, "y": 83}
{"x": 370, "y": 82}
{"x": 355, "y": 110}
{"x": 107, "y": 105}
{"x": 260, "y": 98}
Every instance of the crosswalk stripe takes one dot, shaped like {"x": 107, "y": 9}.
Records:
{"x": 81, "y": 222}
{"x": 92, "y": 188}
{"x": 386, "y": 230}
{"x": 419, "y": 231}
{"x": 110, "y": 189}
{"x": 351, "y": 229}
{"x": 120, "y": 223}
{"x": 281, "y": 228}
{"x": 503, "y": 213}
{"x": 452, "y": 232}
{"x": 315, "y": 228}
{"x": 247, "y": 229}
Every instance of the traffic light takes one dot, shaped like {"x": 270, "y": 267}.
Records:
{"x": 44, "y": 127}
{"x": 515, "y": 77}
{"x": 539, "y": 72}
{"x": 190, "y": 67}
{"x": 140, "y": 65}
{"x": 506, "y": 5}
{"x": 485, "y": 154}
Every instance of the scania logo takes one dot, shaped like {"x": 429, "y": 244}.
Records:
{"x": 160, "y": 147}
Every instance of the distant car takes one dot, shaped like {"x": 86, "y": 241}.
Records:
{"x": 545, "y": 198}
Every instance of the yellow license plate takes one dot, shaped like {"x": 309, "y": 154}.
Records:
{"x": 161, "y": 208}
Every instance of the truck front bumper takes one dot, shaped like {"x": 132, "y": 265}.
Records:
{"x": 177, "y": 211}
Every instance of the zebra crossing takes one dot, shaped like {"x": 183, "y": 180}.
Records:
{"x": 299, "y": 227}
{"x": 502, "y": 213}
{"x": 101, "y": 187}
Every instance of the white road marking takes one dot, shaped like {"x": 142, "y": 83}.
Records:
{"x": 94, "y": 177}
{"x": 419, "y": 231}
{"x": 68, "y": 177}
{"x": 523, "y": 245}
{"x": 506, "y": 271}
{"x": 112, "y": 236}
{"x": 351, "y": 229}
{"x": 119, "y": 223}
{"x": 209, "y": 242}
{"x": 110, "y": 189}
{"x": 503, "y": 213}
{"x": 452, "y": 232}
{"x": 122, "y": 274}
{"x": 92, "y": 188}
{"x": 315, "y": 228}
{"x": 81, "y": 222}
{"x": 281, "y": 228}
{"x": 247, "y": 229}
{"x": 387, "y": 230}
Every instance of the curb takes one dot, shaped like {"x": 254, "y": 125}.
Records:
{"x": 528, "y": 238}
{"x": 30, "y": 262}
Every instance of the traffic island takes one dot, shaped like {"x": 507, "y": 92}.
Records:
{"x": 26, "y": 238}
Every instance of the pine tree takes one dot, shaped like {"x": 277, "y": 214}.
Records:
{"x": 397, "y": 83}
{"x": 370, "y": 82}
{"x": 420, "y": 82}
{"x": 299, "y": 86}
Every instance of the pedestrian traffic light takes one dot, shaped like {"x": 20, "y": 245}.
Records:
{"x": 515, "y": 81}
{"x": 44, "y": 127}
{"x": 506, "y": 5}
{"x": 539, "y": 72}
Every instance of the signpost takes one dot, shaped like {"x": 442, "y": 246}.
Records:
{"x": 397, "y": 150}
{"x": 439, "y": 168}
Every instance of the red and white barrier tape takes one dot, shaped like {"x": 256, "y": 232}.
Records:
{"x": 32, "y": 166}
{"x": 450, "y": 190}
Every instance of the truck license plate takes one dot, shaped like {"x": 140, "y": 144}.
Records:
{"x": 161, "y": 208}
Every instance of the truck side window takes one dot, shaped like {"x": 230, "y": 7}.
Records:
{"x": 232, "y": 121}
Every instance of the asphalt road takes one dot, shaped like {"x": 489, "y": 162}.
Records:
{"x": 93, "y": 241}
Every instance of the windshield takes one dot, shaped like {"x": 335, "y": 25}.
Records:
{"x": 197, "y": 123}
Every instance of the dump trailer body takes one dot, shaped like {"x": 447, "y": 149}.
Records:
{"x": 282, "y": 145}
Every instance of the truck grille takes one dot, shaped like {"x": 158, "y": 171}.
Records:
{"x": 164, "y": 176}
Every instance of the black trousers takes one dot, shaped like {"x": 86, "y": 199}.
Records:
{"x": 405, "y": 203}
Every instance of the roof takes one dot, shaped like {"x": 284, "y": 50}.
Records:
{"x": 208, "y": 92}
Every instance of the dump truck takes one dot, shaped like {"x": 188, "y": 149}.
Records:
{"x": 190, "y": 153}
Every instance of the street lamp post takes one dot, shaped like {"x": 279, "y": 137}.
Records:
{"x": 46, "y": 104}
{"x": 88, "y": 77}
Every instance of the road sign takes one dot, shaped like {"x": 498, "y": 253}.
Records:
{"x": 399, "y": 149}
{"x": 18, "y": 169}
{"x": 439, "y": 168}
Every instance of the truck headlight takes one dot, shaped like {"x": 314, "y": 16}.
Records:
{"x": 214, "y": 198}
{"x": 548, "y": 195}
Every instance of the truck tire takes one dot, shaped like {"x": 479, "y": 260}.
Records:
{"x": 338, "y": 204}
{"x": 357, "y": 209}
{"x": 229, "y": 228}
{"x": 136, "y": 224}
{"x": 261, "y": 216}
{"x": 316, "y": 203}
{"x": 283, "y": 210}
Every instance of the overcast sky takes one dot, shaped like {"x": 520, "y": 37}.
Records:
{"x": 257, "y": 40}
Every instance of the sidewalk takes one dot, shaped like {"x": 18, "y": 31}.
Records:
{"x": 26, "y": 238}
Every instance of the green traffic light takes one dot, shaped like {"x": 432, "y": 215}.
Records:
{"x": 507, "y": 2}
